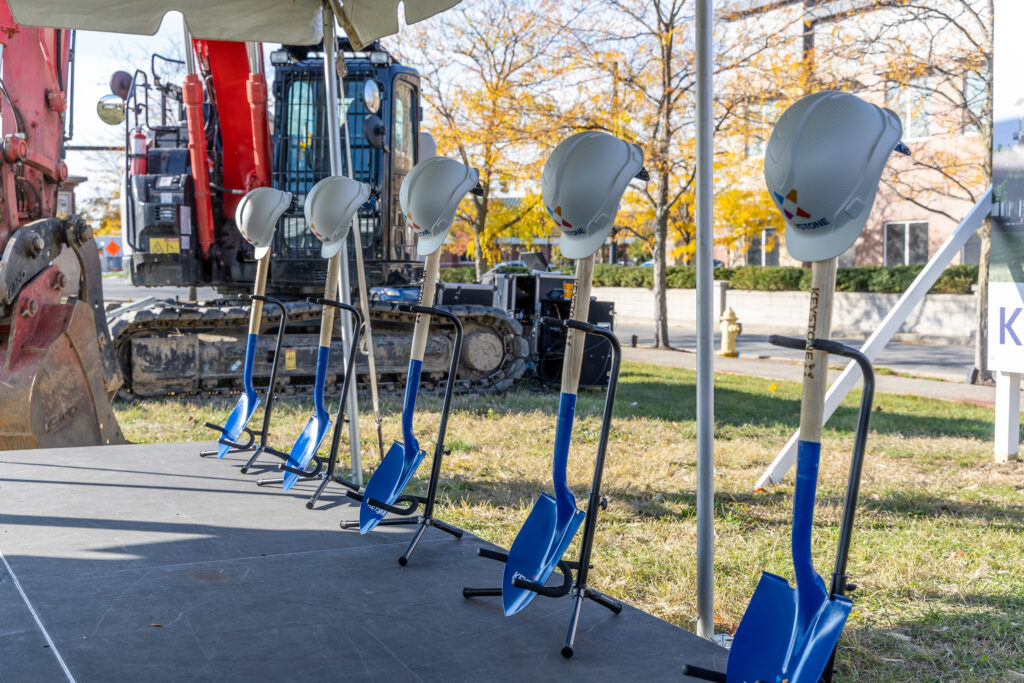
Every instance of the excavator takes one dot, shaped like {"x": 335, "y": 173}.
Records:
{"x": 58, "y": 366}
{"x": 191, "y": 152}
{"x": 191, "y": 157}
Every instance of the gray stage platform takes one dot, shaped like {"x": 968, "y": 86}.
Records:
{"x": 146, "y": 563}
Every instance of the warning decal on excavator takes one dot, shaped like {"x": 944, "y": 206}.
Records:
{"x": 289, "y": 359}
{"x": 164, "y": 245}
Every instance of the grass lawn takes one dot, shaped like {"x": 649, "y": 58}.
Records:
{"x": 938, "y": 551}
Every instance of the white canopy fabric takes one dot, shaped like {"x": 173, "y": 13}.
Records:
{"x": 365, "y": 21}
{"x": 296, "y": 22}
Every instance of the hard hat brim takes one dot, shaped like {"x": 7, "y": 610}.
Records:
{"x": 582, "y": 247}
{"x": 428, "y": 244}
{"x": 331, "y": 249}
{"x": 260, "y": 252}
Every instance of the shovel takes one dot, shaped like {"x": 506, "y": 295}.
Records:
{"x": 249, "y": 400}
{"x": 789, "y": 634}
{"x": 313, "y": 434}
{"x": 553, "y": 521}
{"x": 402, "y": 459}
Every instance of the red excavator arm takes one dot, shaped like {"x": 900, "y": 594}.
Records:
{"x": 32, "y": 108}
{"x": 57, "y": 366}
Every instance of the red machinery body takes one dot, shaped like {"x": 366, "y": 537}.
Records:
{"x": 35, "y": 70}
{"x": 241, "y": 99}
{"x": 57, "y": 367}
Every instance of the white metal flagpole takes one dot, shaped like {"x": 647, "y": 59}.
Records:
{"x": 344, "y": 288}
{"x": 705, "y": 328}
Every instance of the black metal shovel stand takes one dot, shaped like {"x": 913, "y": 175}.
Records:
{"x": 427, "y": 519}
{"x": 324, "y": 467}
{"x": 250, "y": 444}
{"x": 840, "y": 585}
{"x": 576, "y": 586}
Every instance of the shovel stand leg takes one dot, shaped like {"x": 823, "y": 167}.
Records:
{"x": 427, "y": 519}
{"x": 235, "y": 446}
{"x": 576, "y": 585}
{"x": 573, "y": 584}
{"x": 324, "y": 470}
{"x": 250, "y": 444}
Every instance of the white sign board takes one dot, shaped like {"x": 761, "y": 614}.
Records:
{"x": 1006, "y": 326}
{"x": 1006, "y": 272}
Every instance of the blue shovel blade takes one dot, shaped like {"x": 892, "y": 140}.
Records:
{"x": 387, "y": 483}
{"x": 761, "y": 644}
{"x": 237, "y": 421}
{"x": 535, "y": 553}
{"x": 815, "y": 647}
{"x": 769, "y": 644}
{"x": 305, "y": 447}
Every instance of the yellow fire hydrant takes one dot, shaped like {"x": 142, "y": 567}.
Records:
{"x": 731, "y": 329}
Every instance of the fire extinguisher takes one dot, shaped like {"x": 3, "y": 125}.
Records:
{"x": 138, "y": 152}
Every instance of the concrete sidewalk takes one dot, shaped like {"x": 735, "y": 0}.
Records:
{"x": 792, "y": 371}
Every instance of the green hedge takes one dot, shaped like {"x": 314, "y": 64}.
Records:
{"x": 460, "y": 274}
{"x": 895, "y": 279}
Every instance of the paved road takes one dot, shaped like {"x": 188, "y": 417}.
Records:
{"x": 116, "y": 288}
{"x": 950, "y": 362}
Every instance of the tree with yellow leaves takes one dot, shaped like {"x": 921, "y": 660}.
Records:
{"x": 639, "y": 57}
{"x": 491, "y": 81}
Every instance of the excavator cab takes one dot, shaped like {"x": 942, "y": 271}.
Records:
{"x": 159, "y": 221}
{"x": 382, "y": 110}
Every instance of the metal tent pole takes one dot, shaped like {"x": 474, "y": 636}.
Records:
{"x": 344, "y": 288}
{"x": 705, "y": 327}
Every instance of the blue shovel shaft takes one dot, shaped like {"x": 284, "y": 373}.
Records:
{"x": 810, "y": 588}
{"x": 247, "y": 402}
{"x": 323, "y": 356}
{"x": 566, "y": 502}
{"x": 250, "y": 361}
{"x": 412, "y": 387}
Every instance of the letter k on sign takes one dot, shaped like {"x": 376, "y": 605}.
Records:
{"x": 1006, "y": 325}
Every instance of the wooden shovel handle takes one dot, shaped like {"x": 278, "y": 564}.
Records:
{"x": 819, "y": 326}
{"x": 427, "y": 292}
{"x": 575, "y": 339}
{"x": 330, "y": 292}
{"x": 256, "y": 314}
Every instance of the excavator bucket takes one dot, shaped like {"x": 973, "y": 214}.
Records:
{"x": 57, "y": 370}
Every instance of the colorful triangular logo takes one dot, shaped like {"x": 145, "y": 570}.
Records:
{"x": 789, "y": 206}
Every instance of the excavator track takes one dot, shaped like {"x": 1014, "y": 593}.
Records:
{"x": 175, "y": 348}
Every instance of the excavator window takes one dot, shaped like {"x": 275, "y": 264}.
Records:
{"x": 405, "y": 134}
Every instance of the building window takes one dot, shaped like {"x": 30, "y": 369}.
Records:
{"x": 970, "y": 254}
{"x": 762, "y": 118}
{"x": 912, "y": 103}
{"x": 763, "y": 250}
{"x": 906, "y": 243}
{"x": 975, "y": 101}
{"x": 848, "y": 259}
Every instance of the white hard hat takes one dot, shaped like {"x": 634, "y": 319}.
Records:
{"x": 582, "y": 185}
{"x": 257, "y": 214}
{"x": 329, "y": 208}
{"x": 822, "y": 165}
{"x": 429, "y": 196}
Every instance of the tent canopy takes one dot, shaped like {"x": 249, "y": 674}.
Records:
{"x": 296, "y": 22}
